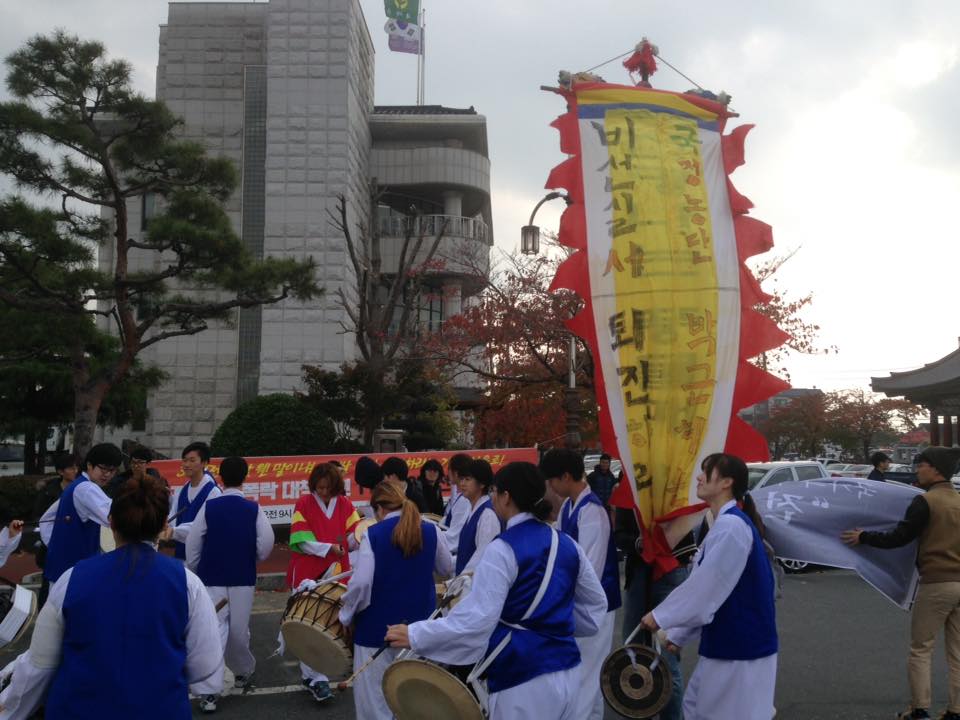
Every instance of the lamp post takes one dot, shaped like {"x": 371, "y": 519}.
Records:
{"x": 530, "y": 245}
{"x": 530, "y": 233}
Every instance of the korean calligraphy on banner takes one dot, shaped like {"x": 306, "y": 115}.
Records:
{"x": 277, "y": 482}
{"x": 668, "y": 304}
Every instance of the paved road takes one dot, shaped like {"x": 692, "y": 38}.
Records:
{"x": 842, "y": 656}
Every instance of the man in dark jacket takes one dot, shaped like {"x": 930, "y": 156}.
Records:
{"x": 602, "y": 481}
{"x": 880, "y": 462}
{"x": 932, "y": 519}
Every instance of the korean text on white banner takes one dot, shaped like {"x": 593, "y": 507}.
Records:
{"x": 804, "y": 521}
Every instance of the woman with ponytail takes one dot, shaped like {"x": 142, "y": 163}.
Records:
{"x": 729, "y": 601}
{"x": 392, "y": 583}
{"x": 533, "y": 592}
{"x": 129, "y": 633}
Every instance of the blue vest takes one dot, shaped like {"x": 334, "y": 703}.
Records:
{"x": 189, "y": 510}
{"x": 546, "y": 643}
{"x": 467, "y": 545}
{"x": 229, "y": 554}
{"x": 125, "y": 639}
{"x": 448, "y": 516}
{"x": 745, "y": 626}
{"x": 73, "y": 539}
{"x": 610, "y": 580}
{"x": 403, "y": 591}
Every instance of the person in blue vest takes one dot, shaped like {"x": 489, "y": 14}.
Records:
{"x": 125, "y": 634}
{"x": 392, "y": 582}
{"x": 584, "y": 517}
{"x": 482, "y": 524}
{"x": 227, "y": 538}
{"x": 728, "y": 600}
{"x": 458, "y": 507}
{"x": 187, "y": 501}
{"x": 534, "y": 591}
{"x": 81, "y": 511}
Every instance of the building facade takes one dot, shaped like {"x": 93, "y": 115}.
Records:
{"x": 285, "y": 89}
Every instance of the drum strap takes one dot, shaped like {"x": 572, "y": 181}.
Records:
{"x": 481, "y": 667}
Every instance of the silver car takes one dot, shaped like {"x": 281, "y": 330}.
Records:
{"x": 774, "y": 473}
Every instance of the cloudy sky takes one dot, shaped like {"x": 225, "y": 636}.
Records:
{"x": 855, "y": 159}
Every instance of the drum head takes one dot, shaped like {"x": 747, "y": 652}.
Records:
{"x": 311, "y": 645}
{"x": 432, "y": 518}
{"x": 422, "y": 690}
{"x": 630, "y": 686}
{"x": 108, "y": 543}
{"x": 361, "y": 528}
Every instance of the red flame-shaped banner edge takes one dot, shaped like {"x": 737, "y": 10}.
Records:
{"x": 758, "y": 333}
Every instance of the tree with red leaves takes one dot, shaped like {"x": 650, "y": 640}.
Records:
{"x": 513, "y": 338}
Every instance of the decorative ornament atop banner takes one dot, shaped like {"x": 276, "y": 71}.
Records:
{"x": 405, "y": 10}
{"x": 642, "y": 62}
{"x": 404, "y": 37}
{"x": 662, "y": 236}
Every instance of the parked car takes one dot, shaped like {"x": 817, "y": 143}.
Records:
{"x": 11, "y": 459}
{"x": 773, "y": 473}
{"x": 855, "y": 470}
{"x": 591, "y": 461}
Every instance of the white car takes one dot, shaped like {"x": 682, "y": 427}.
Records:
{"x": 11, "y": 459}
{"x": 591, "y": 461}
{"x": 774, "y": 473}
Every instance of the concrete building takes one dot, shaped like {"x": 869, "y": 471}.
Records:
{"x": 285, "y": 89}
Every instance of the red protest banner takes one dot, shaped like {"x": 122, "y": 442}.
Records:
{"x": 276, "y": 482}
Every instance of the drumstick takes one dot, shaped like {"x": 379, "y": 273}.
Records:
{"x": 341, "y": 686}
{"x": 221, "y": 605}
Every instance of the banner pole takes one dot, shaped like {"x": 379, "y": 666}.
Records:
{"x": 422, "y": 64}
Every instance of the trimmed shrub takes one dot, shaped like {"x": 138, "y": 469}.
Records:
{"x": 273, "y": 425}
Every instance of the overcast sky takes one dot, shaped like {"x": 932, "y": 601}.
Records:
{"x": 855, "y": 158}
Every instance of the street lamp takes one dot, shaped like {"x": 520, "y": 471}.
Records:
{"x": 530, "y": 233}
{"x": 530, "y": 245}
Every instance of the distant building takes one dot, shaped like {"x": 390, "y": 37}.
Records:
{"x": 757, "y": 414}
{"x": 285, "y": 89}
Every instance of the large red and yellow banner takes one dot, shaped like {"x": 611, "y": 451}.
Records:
{"x": 277, "y": 482}
{"x": 662, "y": 236}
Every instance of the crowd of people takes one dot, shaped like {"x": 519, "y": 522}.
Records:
{"x": 536, "y": 625}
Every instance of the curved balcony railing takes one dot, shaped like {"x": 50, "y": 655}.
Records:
{"x": 395, "y": 225}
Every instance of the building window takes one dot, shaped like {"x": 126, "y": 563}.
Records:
{"x": 148, "y": 209}
{"x": 431, "y": 309}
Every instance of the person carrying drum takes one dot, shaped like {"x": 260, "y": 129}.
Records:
{"x": 187, "y": 501}
{"x": 81, "y": 510}
{"x": 321, "y": 537}
{"x": 392, "y": 583}
{"x": 127, "y": 634}
{"x": 728, "y": 600}
{"x": 534, "y": 591}
{"x": 482, "y": 525}
{"x": 458, "y": 507}
{"x": 584, "y": 518}
{"x": 227, "y": 538}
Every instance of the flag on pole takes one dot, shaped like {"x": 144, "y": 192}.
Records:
{"x": 404, "y": 37}
{"x": 405, "y": 10}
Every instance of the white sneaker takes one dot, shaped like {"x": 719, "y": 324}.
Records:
{"x": 208, "y": 703}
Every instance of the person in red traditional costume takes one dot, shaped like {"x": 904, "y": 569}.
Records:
{"x": 321, "y": 536}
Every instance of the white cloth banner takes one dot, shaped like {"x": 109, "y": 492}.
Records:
{"x": 804, "y": 521}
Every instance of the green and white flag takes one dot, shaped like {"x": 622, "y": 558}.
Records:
{"x": 404, "y": 10}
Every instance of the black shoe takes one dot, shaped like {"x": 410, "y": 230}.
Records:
{"x": 913, "y": 714}
{"x": 947, "y": 715}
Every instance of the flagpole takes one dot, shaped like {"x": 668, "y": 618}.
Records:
{"x": 423, "y": 55}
